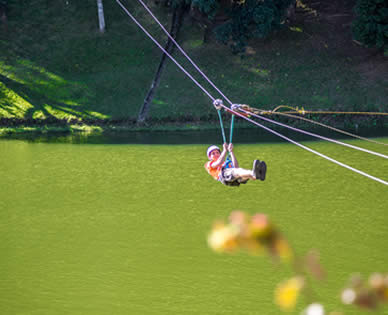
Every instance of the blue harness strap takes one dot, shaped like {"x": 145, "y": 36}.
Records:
{"x": 228, "y": 163}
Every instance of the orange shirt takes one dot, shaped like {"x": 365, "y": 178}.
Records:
{"x": 213, "y": 171}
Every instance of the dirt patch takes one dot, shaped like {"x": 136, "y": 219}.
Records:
{"x": 330, "y": 22}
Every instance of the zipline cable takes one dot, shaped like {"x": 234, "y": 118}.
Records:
{"x": 308, "y": 149}
{"x": 183, "y": 52}
{"x": 214, "y": 86}
{"x": 191, "y": 61}
{"x": 315, "y": 135}
{"x": 204, "y": 75}
{"x": 330, "y": 127}
{"x": 239, "y": 114}
{"x": 222, "y": 94}
{"x": 160, "y": 46}
{"x": 197, "y": 68}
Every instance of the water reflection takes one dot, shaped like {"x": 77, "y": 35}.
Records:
{"x": 247, "y": 135}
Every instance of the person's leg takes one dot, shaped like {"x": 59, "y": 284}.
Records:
{"x": 262, "y": 170}
{"x": 259, "y": 169}
{"x": 243, "y": 173}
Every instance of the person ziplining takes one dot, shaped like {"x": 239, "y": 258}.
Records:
{"x": 228, "y": 171}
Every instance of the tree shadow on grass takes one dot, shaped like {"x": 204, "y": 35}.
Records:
{"x": 37, "y": 94}
{"x": 34, "y": 98}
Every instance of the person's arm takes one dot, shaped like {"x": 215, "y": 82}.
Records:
{"x": 234, "y": 160}
{"x": 222, "y": 157}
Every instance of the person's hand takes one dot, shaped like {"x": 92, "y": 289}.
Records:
{"x": 230, "y": 147}
{"x": 225, "y": 146}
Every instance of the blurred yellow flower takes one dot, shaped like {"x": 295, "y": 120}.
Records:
{"x": 223, "y": 238}
{"x": 287, "y": 293}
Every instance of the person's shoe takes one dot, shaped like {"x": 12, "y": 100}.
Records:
{"x": 255, "y": 169}
{"x": 262, "y": 170}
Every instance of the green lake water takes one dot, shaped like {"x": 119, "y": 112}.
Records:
{"x": 122, "y": 228}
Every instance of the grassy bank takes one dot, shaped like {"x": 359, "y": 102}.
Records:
{"x": 57, "y": 71}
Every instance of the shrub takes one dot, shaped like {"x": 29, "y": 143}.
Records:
{"x": 371, "y": 24}
{"x": 244, "y": 19}
{"x": 252, "y": 19}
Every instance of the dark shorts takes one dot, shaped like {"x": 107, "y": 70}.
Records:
{"x": 228, "y": 177}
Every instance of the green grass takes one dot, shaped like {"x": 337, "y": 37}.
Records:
{"x": 54, "y": 65}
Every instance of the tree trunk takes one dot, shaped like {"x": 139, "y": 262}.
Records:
{"x": 176, "y": 23}
{"x": 3, "y": 15}
{"x": 101, "y": 18}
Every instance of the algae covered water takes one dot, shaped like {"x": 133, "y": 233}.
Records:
{"x": 121, "y": 229}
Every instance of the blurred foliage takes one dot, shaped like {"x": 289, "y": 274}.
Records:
{"x": 256, "y": 234}
{"x": 208, "y": 7}
{"x": 366, "y": 294}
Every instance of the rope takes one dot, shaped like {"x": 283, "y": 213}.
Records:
{"x": 308, "y": 149}
{"x": 303, "y": 112}
{"x": 160, "y": 46}
{"x": 317, "y": 136}
{"x": 331, "y": 128}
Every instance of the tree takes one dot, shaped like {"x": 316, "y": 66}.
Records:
{"x": 371, "y": 24}
{"x": 233, "y": 21}
{"x": 237, "y": 21}
{"x": 101, "y": 19}
{"x": 179, "y": 11}
{"x": 3, "y": 13}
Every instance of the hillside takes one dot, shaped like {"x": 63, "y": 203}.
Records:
{"x": 55, "y": 67}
